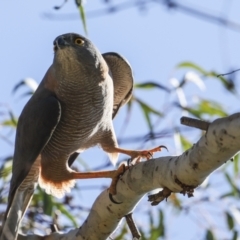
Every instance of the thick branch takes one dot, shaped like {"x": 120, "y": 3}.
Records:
{"x": 218, "y": 145}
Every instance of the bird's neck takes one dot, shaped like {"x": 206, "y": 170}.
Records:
{"x": 73, "y": 78}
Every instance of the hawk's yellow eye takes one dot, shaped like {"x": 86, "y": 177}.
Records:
{"x": 79, "y": 41}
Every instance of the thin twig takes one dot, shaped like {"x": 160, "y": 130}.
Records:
{"x": 132, "y": 226}
{"x": 196, "y": 123}
{"x": 224, "y": 74}
{"x": 207, "y": 16}
{"x": 60, "y": 6}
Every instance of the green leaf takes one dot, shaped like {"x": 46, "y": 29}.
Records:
{"x": 161, "y": 227}
{"x": 5, "y": 172}
{"x": 230, "y": 221}
{"x": 185, "y": 143}
{"x": 47, "y": 204}
{"x": 235, "y": 235}
{"x": 193, "y": 66}
{"x": 83, "y": 17}
{"x": 129, "y": 105}
{"x": 11, "y": 122}
{"x": 209, "y": 235}
{"x": 147, "y": 110}
{"x": 236, "y": 164}
{"x": 205, "y": 107}
{"x": 52, "y": 205}
{"x": 232, "y": 184}
{"x": 193, "y": 111}
{"x": 67, "y": 213}
{"x": 122, "y": 234}
{"x": 151, "y": 85}
{"x": 143, "y": 235}
{"x": 159, "y": 230}
{"x": 211, "y": 108}
{"x": 226, "y": 195}
{"x": 228, "y": 84}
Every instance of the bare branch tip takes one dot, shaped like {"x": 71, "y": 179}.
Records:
{"x": 132, "y": 226}
{"x": 224, "y": 74}
{"x": 155, "y": 199}
{"x": 196, "y": 123}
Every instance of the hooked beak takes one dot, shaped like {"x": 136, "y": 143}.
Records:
{"x": 59, "y": 42}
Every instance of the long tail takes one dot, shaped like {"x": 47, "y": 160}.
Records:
{"x": 15, "y": 214}
{"x": 18, "y": 202}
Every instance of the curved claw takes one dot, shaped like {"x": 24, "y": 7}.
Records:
{"x": 149, "y": 153}
{"x": 129, "y": 162}
{"x": 112, "y": 200}
{"x": 162, "y": 146}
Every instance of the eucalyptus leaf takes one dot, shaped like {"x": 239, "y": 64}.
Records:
{"x": 227, "y": 83}
{"x": 83, "y": 17}
{"x": 65, "y": 212}
{"x": 229, "y": 179}
{"x": 209, "y": 235}
{"x": 147, "y": 110}
{"x": 230, "y": 221}
{"x": 192, "y": 66}
{"x": 151, "y": 85}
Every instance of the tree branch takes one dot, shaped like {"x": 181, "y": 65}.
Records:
{"x": 176, "y": 173}
{"x": 196, "y": 12}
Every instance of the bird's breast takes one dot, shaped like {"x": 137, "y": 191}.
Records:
{"x": 86, "y": 113}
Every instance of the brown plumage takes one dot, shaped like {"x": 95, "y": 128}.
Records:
{"x": 71, "y": 111}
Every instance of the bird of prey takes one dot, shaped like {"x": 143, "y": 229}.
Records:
{"x": 71, "y": 111}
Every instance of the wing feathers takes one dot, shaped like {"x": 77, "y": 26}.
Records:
{"x": 122, "y": 76}
{"x": 37, "y": 122}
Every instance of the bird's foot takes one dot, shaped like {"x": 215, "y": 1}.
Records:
{"x": 147, "y": 154}
{"x": 119, "y": 172}
{"x": 135, "y": 157}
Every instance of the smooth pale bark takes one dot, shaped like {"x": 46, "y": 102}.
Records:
{"x": 220, "y": 143}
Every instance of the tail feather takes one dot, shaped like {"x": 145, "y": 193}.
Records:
{"x": 15, "y": 213}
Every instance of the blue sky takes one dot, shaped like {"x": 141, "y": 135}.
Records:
{"x": 154, "y": 41}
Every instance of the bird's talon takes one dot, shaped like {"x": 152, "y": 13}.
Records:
{"x": 130, "y": 162}
{"x": 118, "y": 173}
{"x": 111, "y": 198}
{"x": 162, "y": 146}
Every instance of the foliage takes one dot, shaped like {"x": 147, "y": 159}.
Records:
{"x": 46, "y": 210}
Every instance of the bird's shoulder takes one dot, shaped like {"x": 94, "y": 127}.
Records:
{"x": 49, "y": 81}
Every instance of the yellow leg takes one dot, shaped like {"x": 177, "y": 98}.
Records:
{"x": 114, "y": 174}
{"x": 139, "y": 154}
{"x": 102, "y": 174}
